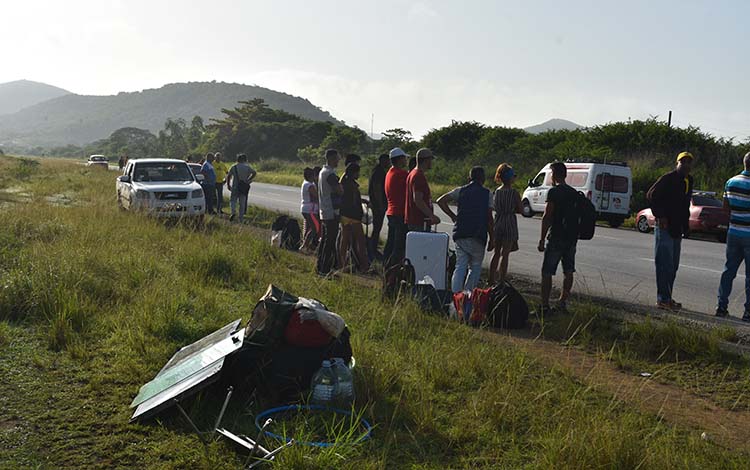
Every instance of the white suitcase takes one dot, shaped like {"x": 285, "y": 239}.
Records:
{"x": 428, "y": 253}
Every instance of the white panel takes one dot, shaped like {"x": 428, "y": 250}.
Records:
{"x": 428, "y": 252}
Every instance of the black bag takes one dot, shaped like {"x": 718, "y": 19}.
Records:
{"x": 507, "y": 308}
{"x": 398, "y": 277}
{"x": 291, "y": 235}
{"x": 428, "y": 298}
{"x": 586, "y": 217}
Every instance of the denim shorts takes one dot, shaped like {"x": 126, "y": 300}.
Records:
{"x": 556, "y": 252}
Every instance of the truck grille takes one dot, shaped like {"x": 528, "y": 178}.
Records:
{"x": 171, "y": 196}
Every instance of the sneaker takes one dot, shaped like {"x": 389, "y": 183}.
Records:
{"x": 664, "y": 305}
{"x": 675, "y": 305}
{"x": 722, "y": 312}
{"x": 746, "y": 317}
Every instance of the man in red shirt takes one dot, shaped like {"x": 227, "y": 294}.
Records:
{"x": 395, "y": 194}
{"x": 418, "y": 214}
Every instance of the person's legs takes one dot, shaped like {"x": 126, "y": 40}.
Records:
{"x": 496, "y": 255}
{"x": 377, "y": 226}
{"x": 676, "y": 249}
{"x": 243, "y": 206}
{"x": 735, "y": 254}
{"x": 327, "y": 247}
{"x": 746, "y": 259}
{"x": 663, "y": 259}
{"x": 360, "y": 246}
{"x": 552, "y": 256}
{"x": 546, "y": 290}
{"x": 475, "y": 263}
{"x": 233, "y": 199}
{"x": 569, "y": 267}
{"x": 306, "y": 230}
{"x": 463, "y": 257}
{"x": 504, "y": 263}
{"x": 219, "y": 196}
{"x": 346, "y": 236}
{"x": 390, "y": 240}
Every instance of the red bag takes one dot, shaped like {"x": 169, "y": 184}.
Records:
{"x": 480, "y": 302}
{"x": 306, "y": 334}
{"x": 462, "y": 302}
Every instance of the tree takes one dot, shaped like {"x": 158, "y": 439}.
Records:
{"x": 456, "y": 141}
{"x": 195, "y": 133}
{"x": 396, "y": 137}
{"x": 133, "y": 142}
{"x": 172, "y": 140}
{"x": 344, "y": 139}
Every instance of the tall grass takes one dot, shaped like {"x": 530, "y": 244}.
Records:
{"x": 100, "y": 299}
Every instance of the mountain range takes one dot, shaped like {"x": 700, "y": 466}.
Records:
{"x": 79, "y": 119}
{"x": 553, "y": 125}
{"x": 14, "y": 96}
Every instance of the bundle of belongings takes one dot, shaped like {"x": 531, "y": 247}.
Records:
{"x": 276, "y": 354}
{"x": 286, "y": 339}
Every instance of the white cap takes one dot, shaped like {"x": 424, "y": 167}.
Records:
{"x": 397, "y": 152}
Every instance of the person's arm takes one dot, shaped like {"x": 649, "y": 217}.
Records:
{"x": 443, "y": 201}
{"x": 519, "y": 204}
{"x": 490, "y": 230}
{"x": 313, "y": 192}
{"x": 424, "y": 208}
{"x": 253, "y": 174}
{"x": 335, "y": 184}
{"x": 228, "y": 179}
{"x": 725, "y": 205}
{"x": 547, "y": 218}
{"x": 655, "y": 196}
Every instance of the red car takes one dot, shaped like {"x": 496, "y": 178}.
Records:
{"x": 706, "y": 216}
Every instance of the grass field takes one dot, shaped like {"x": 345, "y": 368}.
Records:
{"x": 93, "y": 302}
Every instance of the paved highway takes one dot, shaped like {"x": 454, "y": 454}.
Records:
{"x": 617, "y": 263}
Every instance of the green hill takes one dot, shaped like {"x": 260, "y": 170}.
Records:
{"x": 15, "y": 96}
{"x": 80, "y": 119}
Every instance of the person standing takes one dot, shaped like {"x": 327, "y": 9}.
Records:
{"x": 352, "y": 235}
{"x": 378, "y": 202}
{"x": 329, "y": 193}
{"x": 418, "y": 214}
{"x": 221, "y": 175}
{"x": 506, "y": 202}
{"x": 309, "y": 208}
{"x": 472, "y": 227}
{"x": 670, "y": 203}
{"x": 209, "y": 184}
{"x": 239, "y": 178}
{"x": 121, "y": 163}
{"x": 561, "y": 222}
{"x": 395, "y": 194}
{"x": 737, "y": 203}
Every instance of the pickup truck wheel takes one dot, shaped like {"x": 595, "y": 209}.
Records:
{"x": 119, "y": 203}
{"x": 527, "y": 211}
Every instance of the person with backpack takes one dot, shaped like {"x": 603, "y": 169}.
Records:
{"x": 309, "y": 209}
{"x": 239, "y": 178}
{"x": 670, "y": 203}
{"x": 472, "y": 228}
{"x": 378, "y": 201}
{"x": 736, "y": 202}
{"x": 329, "y": 195}
{"x": 506, "y": 202}
{"x": 560, "y": 229}
{"x": 352, "y": 235}
{"x": 418, "y": 214}
{"x": 395, "y": 194}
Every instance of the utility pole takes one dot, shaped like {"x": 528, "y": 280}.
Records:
{"x": 669, "y": 120}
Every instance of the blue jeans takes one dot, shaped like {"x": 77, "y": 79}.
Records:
{"x": 738, "y": 250}
{"x": 667, "y": 260}
{"x": 395, "y": 245}
{"x": 469, "y": 257}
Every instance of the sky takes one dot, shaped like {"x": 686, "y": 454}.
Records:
{"x": 410, "y": 64}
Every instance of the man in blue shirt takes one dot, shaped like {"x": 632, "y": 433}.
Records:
{"x": 209, "y": 183}
{"x": 737, "y": 203}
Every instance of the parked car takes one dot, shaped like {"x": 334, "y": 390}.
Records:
{"x": 609, "y": 186}
{"x": 706, "y": 216}
{"x": 98, "y": 161}
{"x": 162, "y": 187}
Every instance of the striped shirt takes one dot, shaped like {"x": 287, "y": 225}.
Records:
{"x": 737, "y": 193}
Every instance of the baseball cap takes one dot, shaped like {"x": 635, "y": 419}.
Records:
{"x": 423, "y": 153}
{"x": 396, "y": 153}
{"x": 682, "y": 155}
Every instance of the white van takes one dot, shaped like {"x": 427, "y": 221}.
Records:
{"x": 608, "y": 185}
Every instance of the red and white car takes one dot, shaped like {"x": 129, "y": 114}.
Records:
{"x": 706, "y": 216}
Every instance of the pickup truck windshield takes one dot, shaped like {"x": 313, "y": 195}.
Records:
{"x": 156, "y": 171}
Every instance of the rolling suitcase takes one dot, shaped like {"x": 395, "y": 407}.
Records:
{"x": 428, "y": 253}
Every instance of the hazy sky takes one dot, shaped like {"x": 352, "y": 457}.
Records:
{"x": 414, "y": 64}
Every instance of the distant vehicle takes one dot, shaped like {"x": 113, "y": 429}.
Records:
{"x": 195, "y": 168}
{"x": 608, "y": 185}
{"x": 706, "y": 216}
{"x": 98, "y": 161}
{"x": 162, "y": 187}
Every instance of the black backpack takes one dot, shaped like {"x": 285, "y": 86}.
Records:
{"x": 507, "y": 308}
{"x": 291, "y": 235}
{"x": 586, "y": 217}
{"x": 397, "y": 277}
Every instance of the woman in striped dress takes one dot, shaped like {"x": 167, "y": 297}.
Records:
{"x": 506, "y": 202}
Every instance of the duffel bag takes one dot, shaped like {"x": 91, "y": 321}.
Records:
{"x": 507, "y": 307}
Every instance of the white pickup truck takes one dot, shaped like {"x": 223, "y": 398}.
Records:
{"x": 162, "y": 187}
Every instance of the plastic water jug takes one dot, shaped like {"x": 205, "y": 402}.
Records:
{"x": 324, "y": 385}
{"x": 344, "y": 396}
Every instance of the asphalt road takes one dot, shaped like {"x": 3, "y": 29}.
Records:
{"x": 617, "y": 263}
